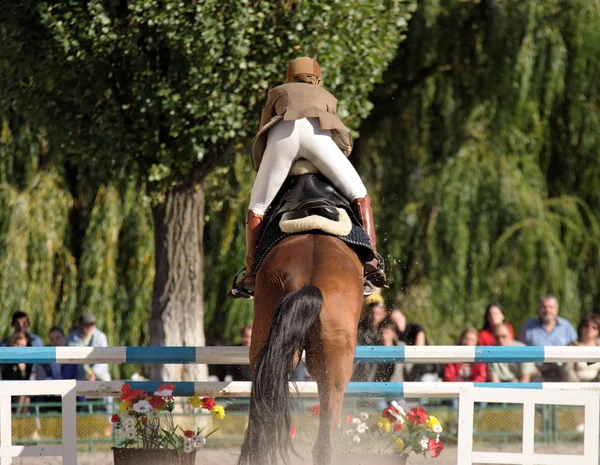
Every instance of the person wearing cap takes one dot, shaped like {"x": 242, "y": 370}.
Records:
{"x": 87, "y": 335}
{"x": 299, "y": 120}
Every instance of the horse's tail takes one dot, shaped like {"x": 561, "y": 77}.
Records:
{"x": 267, "y": 436}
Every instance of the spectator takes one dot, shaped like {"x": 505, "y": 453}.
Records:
{"x": 389, "y": 372}
{"x": 548, "y": 329}
{"x": 511, "y": 372}
{"x": 18, "y": 371}
{"x": 47, "y": 371}
{"x": 494, "y": 316}
{"x": 20, "y": 323}
{"x": 412, "y": 334}
{"x": 87, "y": 335}
{"x": 588, "y": 332}
{"x": 474, "y": 372}
{"x": 238, "y": 372}
{"x": 368, "y": 334}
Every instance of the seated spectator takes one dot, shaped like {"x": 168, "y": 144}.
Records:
{"x": 466, "y": 372}
{"x": 494, "y": 316}
{"x": 368, "y": 334}
{"x": 509, "y": 372}
{"x": 87, "y": 335}
{"x": 412, "y": 334}
{"x": 548, "y": 329}
{"x": 18, "y": 371}
{"x": 389, "y": 372}
{"x": 20, "y": 323}
{"x": 47, "y": 371}
{"x": 238, "y": 372}
{"x": 588, "y": 332}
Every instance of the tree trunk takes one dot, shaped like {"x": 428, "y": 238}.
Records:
{"x": 177, "y": 297}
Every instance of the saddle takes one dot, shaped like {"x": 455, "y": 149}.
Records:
{"x": 309, "y": 203}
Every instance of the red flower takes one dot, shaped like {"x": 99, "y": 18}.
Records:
{"x": 388, "y": 413}
{"x": 435, "y": 448}
{"x": 417, "y": 416}
{"x": 348, "y": 418}
{"x": 115, "y": 418}
{"x": 398, "y": 426}
{"x": 170, "y": 387}
{"x": 316, "y": 410}
{"x": 188, "y": 433}
{"x": 208, "y": 403}
{"x": 292, "y": 431}
{"x": 157, "y": 402}
{"x": 133, "y": 396}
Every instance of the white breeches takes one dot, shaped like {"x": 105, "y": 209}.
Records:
{"x": 289, "y": 141}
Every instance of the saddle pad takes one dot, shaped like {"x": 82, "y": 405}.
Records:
{"x": 343, "y": 227}
{"x": 357, "y": 240}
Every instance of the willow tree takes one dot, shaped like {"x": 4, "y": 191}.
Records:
{"x": 482, "y": 149}
{"x": 159, "y": 91}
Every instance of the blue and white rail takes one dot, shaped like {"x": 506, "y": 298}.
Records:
{"x": 239, "y": 355}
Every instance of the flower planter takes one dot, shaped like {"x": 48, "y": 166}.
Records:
{"x": 130, "y": 456}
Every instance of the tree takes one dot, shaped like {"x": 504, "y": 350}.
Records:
{"x": 160, "y": 91}
{"x": 484, "y": 141}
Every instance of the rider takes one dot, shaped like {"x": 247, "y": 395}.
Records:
{"x": 299, "y": 121}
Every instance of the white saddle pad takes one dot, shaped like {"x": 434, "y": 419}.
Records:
{"x": 343, "y": 227}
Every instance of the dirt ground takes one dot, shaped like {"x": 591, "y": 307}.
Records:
{"x": 229, "y": 456}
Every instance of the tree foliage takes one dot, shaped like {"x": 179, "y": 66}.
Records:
{"x": 483, "y": 147}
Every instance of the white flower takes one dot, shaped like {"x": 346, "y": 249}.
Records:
{"x": 438, "y": 429}
{"x": 364, "y": 415}
{"x": 188, "y": 447}
{"x": 356, "y": 421}
{"x": 128, "y": 423}
{"x": 130, "y": 434}
{"x": 350, "y": 432}
{"x": 362, "y": 428}
{"x": 129, "y": 429}
{"x": 356, "y": 438}
{"x": 142, "y": 406}
{"x": 164, "y": 393}
{"x": 155, "y": 414}
{"x": 198, "y": 440}
{"x": 424, "y": 442}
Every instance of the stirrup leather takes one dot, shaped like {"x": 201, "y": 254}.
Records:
{"x": 237, "y": 290}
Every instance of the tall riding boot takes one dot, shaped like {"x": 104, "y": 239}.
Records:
{"x": 244, "y": 288}
{"x": 374, "y": 271}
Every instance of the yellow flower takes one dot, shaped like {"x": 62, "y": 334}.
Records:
{"x": 123, "y": 406}
{"x": 195, "y": 402}
{"x": 398, "y": 445}
{"x": 433, "y": 424}
{"x": 384, "y": 425}
{"x": 218, "y": 412}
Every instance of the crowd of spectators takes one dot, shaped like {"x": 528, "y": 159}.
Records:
{"x": 378, "y": 326}
{"x": 85, "y": 334}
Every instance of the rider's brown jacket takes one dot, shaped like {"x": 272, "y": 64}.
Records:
{"x": 296, "y": 100}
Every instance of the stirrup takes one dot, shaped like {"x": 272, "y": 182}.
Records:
{"x": 377, "y": 278}
{"x": 237, "y": 291}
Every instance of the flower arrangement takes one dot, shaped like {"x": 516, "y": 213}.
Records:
{"x": 403, "y": 432}
{"x": 146, "y": 422}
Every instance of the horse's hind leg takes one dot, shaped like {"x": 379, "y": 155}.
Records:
{"x": 330, "y": 361}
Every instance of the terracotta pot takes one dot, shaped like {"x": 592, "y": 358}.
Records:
{"x": 126, "y": 456}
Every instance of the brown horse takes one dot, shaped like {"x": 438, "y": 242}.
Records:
{"x": 309, "y": 293}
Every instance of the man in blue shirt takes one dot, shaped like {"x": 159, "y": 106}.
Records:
{"x": 20, "y": 322}
{"x": 548, "y": 329}
{"x": 87, "y": 335}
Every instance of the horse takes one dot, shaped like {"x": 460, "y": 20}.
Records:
{"x": 308, "y": 296}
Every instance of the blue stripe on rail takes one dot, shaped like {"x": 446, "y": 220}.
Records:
{"x": 182, "y": 388}
{"x": 509, "y": 354}
{"x": 375, "y": 389}
{"x": 27, "y": 354}
{"x": 381, "y": 354}
{"x": 510, "y": 386}
{"x": 156, "y": 354}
